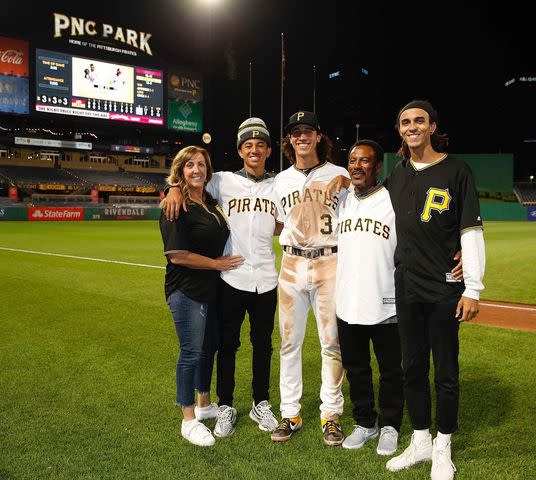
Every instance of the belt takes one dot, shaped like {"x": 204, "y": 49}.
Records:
{"x": 310, "y": 252}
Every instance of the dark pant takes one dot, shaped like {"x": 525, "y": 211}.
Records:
{"x": 355, "y": 349}
{"x": 197, "y": 331}
{"x": 261, "y": 309}
{"x": 424, "y": 327}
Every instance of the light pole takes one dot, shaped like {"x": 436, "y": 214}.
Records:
{"x": 357, "y": 132}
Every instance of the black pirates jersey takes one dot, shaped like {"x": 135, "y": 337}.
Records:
{"x": 433, "y": 207}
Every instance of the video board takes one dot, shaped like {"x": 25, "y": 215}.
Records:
{"x": 72, "y": 85}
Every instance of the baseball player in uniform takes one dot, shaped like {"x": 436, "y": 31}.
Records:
{"x": 247, "y": 200}
{"x": 307, "y": 275}
{"x": 365, "y": 298}
{"x": 436, "y": 205}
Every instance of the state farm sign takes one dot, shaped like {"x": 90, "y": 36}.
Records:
{"x": 13, "y": 57}
{"x": 51, "y": 214}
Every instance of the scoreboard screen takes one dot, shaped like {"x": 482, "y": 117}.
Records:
{"x": 70, "y": 85}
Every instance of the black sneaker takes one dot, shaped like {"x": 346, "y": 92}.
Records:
{"x": 332, "y": 432}
{"x": 286, "y": 428}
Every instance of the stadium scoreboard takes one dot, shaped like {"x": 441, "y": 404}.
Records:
{"x": 72, "y": 85}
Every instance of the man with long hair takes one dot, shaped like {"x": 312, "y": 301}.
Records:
{"x": 437, "y": 211}
{"x": 307, "y": 275}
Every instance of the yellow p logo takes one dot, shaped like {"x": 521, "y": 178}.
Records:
{"x": 300, "y": 115}
{"x": 436, "y": 199}
{"x": 255, "y": 133}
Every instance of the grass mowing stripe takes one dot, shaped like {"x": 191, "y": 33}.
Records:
{"x": 103, "y": 260}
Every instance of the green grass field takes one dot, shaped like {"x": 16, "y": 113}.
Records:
{"x": 88, "y": 352}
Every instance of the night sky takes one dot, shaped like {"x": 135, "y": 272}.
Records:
{"x": 458, "y": 57}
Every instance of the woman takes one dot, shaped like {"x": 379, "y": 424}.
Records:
{"x": 193, "y": 245}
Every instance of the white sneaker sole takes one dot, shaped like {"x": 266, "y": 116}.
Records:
{"x": 261, "y": 427}
{"x": 386, "y": 452}
{"x": 219, "y": 435}
{"x": 209, "y": 443}
{"x": 360, "y": 445}
{"x": 391, "y": 469}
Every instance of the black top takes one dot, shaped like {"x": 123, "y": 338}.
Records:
{"x": 198, "y": 232}
{"x": 433, "y": 207}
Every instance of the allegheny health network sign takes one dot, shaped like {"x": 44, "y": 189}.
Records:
{"x": 185, "y": 116}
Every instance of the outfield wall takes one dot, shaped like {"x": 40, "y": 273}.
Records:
{"x": 47, "y": 214}
{"x": 489, "y": 211}
{"x": 493, "y": 172}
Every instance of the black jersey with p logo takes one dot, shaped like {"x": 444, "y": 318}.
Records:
{"x": 433, "y": 207}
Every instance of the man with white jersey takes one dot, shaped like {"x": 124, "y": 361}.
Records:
{"x": 365, "y": 297}
{"x": 307, "y": 275}
{"x": 435, "y": 200}
{"x": 246, "y": 197}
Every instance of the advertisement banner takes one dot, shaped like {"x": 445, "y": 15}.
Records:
{"x": 185, "y": 116}
{"x": 54, "y": 214}
{"x": 184, "y": 86}
{"x": 52, "y": 186}
{"x": 131, "y": 149}
{"x": 123, "y": 213}
{"x": 14, "y": 94}
{"x": 14, "y": 57}
{"x": 45, "y": 142}
{"x": 14, "y": 69}
{"x": 531, "y": 213}
{"x": 4, "y": 213}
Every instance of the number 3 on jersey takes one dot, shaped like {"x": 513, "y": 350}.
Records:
{"x": 327, "y": 228}
{"x": 437, "y": 199}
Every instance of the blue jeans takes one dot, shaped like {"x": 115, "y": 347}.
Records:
{"x": 195, "y": 323}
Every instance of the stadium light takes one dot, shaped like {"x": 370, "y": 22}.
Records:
{"x": 210, "y": 3}
{"x": 531, "y": 178}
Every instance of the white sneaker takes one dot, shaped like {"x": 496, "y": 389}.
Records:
{"x": 359, "y": 437}
{"x": 415, "y": 453}
{"x": 442, "y": 466}
{"x": 206, "y": 413}
{"x": 262, "y": 415}
{"x": 225, "y": 422}
{"x": 388, "y": 442}
{"x": 195, "y": 432}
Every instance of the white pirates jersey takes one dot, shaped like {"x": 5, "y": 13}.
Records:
{"x": 310, "y": 217}
{"x": 248, "y": 205}
{"x": 365, "y": 285}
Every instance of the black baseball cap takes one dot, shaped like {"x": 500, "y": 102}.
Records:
{"x": 423, "y": 105}
{"x": 303, "y": 118}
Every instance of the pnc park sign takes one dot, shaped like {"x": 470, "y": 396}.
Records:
{"x": 77, "y": 27}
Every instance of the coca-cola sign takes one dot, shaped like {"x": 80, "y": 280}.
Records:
{"x": 13, "y": 57}
{"x": 16, "y": 57}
